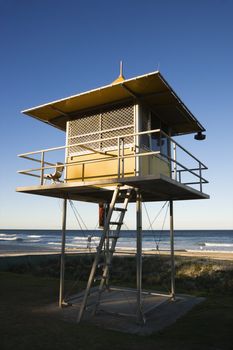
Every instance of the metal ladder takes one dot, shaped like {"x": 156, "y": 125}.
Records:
{"x": 118, "y": 194}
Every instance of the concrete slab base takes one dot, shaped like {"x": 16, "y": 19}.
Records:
{"x": 117, "y": 310}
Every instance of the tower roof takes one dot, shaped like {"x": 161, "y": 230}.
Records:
{"x": 149, "y": 89}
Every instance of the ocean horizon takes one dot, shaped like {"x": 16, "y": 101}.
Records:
{"x": 187, "y": 240}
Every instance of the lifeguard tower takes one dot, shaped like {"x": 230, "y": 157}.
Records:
{"x": 120, "y": 148}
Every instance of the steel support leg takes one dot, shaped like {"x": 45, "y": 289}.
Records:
{"x": 172, "y": 251}
{"x": 140, "y": 318}
{"x": 63, "y": 243}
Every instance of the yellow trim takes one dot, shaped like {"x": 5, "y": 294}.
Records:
{"x": 120, "y": 79}
{"x": 106, "y": 169}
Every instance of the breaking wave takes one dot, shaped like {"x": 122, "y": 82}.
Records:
{"x": 34, "y": 236}
{"x": 212, "y": 244}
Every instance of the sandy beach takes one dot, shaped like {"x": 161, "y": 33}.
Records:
{"x": 193, "y": 254}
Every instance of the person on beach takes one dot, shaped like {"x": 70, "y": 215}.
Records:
{"x": 103, "y": 212}
{"x": 89, "y": 242}
{"x": 101, "y": 215}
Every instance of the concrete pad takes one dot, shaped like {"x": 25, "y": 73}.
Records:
{"x": 117, "y": 310}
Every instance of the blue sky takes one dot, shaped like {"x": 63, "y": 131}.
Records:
{"x": 53, "y": 49}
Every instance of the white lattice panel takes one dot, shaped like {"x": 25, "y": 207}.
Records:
{"x": 99, "y": 126}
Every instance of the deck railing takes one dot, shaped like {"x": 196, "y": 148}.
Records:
{"x": 178, "y": 170}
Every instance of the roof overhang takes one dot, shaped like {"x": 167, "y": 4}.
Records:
{"x": 150, "y": 89}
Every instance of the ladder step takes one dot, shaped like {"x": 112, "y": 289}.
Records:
{"x": 124, "y": 195}
{"x": 99, "y": 278}
{"x": 114, "y": 236}
{"x": 120, "y": 209}
{"x": 88, "y": 306}
{"x": 101, "y": 265}
{"x": 120, "y": 195}
{"x": 115, "y": 223}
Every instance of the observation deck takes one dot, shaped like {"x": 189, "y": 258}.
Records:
{"x": 159, "y": 175}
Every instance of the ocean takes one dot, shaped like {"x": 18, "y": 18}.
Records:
{"x": 50, "y": 240}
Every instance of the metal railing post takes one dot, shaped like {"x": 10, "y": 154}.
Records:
{"x": 200, "y": 174}
{"x": 172, "y": 251}
{"x": 118, "y": 155}
{"x": 175, "y": 164}
{"x": 122, "y": 158}
{"x": 140, "y": 317}
{"x": 160, "y": 141}
{"x": 180, "y": 176}
{"x": 83, "y": 172}
{"x": 169, "y": 152}
{"x": 42, "y": 169}
{"x": 62, "y": 264}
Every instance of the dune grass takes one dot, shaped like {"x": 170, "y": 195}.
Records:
{"x": 24, "y": 324}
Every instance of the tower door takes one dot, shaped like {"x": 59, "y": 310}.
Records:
{"x": 154, "y": 164}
